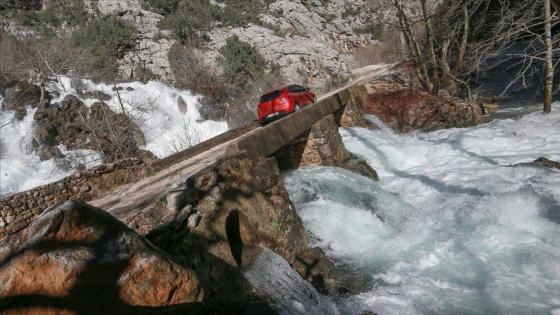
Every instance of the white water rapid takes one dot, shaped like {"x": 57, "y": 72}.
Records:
{"x": 167, "y": 116}
{"x": 461, "y": 221}
{"x": 273, "y": 276}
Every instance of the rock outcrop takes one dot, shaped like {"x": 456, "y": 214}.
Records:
{"x": 223, "y": 209}
{"x": 77, "y": 259}
{"x": 76, "y": 126}
{"x": 151, "y": 51}
{"x": 548, "y": 163}
{"x": 397, "y": 100}
{"x": 20, "y": 95}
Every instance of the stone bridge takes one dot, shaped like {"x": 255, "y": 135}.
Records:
{"x": 134, "y": 183}
{"x": 210, "y": 209}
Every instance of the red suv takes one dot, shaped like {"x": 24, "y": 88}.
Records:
{"x": 283, "y": 101}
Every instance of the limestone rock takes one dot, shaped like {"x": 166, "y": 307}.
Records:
{"x": 301, "y": 60}
{"x": 75, "y": 258}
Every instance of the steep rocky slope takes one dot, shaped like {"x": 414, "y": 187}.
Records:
{"x": 311, "y": 40}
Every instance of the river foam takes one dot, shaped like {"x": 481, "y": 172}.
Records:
{"x": 461, "y": 221}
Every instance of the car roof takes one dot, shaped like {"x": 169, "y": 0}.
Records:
{"x": 282, "y": 88}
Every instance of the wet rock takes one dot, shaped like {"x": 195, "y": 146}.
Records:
{"x": 20, "y": 112}
{"x": 46, "y": 133}
{"x": 74, "y": 255}
{"x": 549, "y": 163}
{"x": 47, "y": 152}
{"x": 212, "y": 111}
{"x": 99, "y": 95}
{"x": 22, "y": 94}
{"x": 182, "y": 105}
{"x": 360, "y": 166}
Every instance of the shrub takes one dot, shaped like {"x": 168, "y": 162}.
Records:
{"x": 72, "y": 12}
{"x": 104, "y": 41}
{"x": 240, "y": 61}
{"x": 190, "y": 18}
{"x": 163, "y": 7}
{"x": 192, "y": 71}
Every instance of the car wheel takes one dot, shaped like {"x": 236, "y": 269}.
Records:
{"x": 296, "y": 107}
{"x": 314, "y": 99}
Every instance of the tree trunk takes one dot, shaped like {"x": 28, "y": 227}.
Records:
{"x": 549, "y": 70}
{"x": 412, "y": 44}
{"x": 433, "y": 59}
{"x": 464, "y": 40}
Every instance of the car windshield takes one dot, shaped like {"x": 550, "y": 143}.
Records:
{"x": 270, "y": 96}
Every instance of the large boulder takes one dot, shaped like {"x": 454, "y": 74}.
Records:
{"x": 78, "y": 259}
{"x": 398, "y": 100}
{"x": 98, "y": 128}
{"x": 225, "y": 208}
{"x": 22, "y": 94}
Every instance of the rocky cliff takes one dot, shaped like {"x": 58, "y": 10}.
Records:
{"x": 311, "y": 41}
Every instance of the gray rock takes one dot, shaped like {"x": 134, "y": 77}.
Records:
{"x": 22, "y": 94}
{"x": 177, "y": 199}
{"x": 194, "y": 220}
{"x": 211, "y": 111}
{"x": 45, "y": 133}
{"x": 182, "y": 105}
{"x": 20, "y": 112}
{"x": 48, "y": 152}
{"x": 240, "y": 115}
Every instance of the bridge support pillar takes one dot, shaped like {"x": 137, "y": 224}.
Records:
{"x": 320, "y": 145}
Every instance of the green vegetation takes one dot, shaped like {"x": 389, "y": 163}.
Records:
{"x": 104, "y": 41}
{"x": 275, "y": 225}
{"x": 189, "y": 19}
{"x": 71, "y": 12}
{"x": 241, "y": 62}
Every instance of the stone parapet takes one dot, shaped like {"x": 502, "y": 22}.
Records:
{"x": 17, "y": 210}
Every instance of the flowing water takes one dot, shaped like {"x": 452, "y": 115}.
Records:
{"x": 461, "y": 221}
{"x": 276, "y": 279}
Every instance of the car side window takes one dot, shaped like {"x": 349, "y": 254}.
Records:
{"x": 293, "y": 88}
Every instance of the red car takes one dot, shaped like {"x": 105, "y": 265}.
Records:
{"x": 283, "y": 101}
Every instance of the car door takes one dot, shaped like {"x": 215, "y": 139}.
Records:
{"x": 297, "y": 92}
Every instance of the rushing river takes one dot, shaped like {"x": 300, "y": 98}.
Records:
{"x": 461, "y": 221}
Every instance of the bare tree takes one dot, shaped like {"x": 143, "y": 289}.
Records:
{"x": 469, "y": 32}
{"x": 38, "y": 62}
{"x": 549, "y": 68}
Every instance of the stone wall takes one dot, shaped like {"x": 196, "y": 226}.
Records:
{"x": 321, "y": 145}
{"x": 17, "y": 210}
